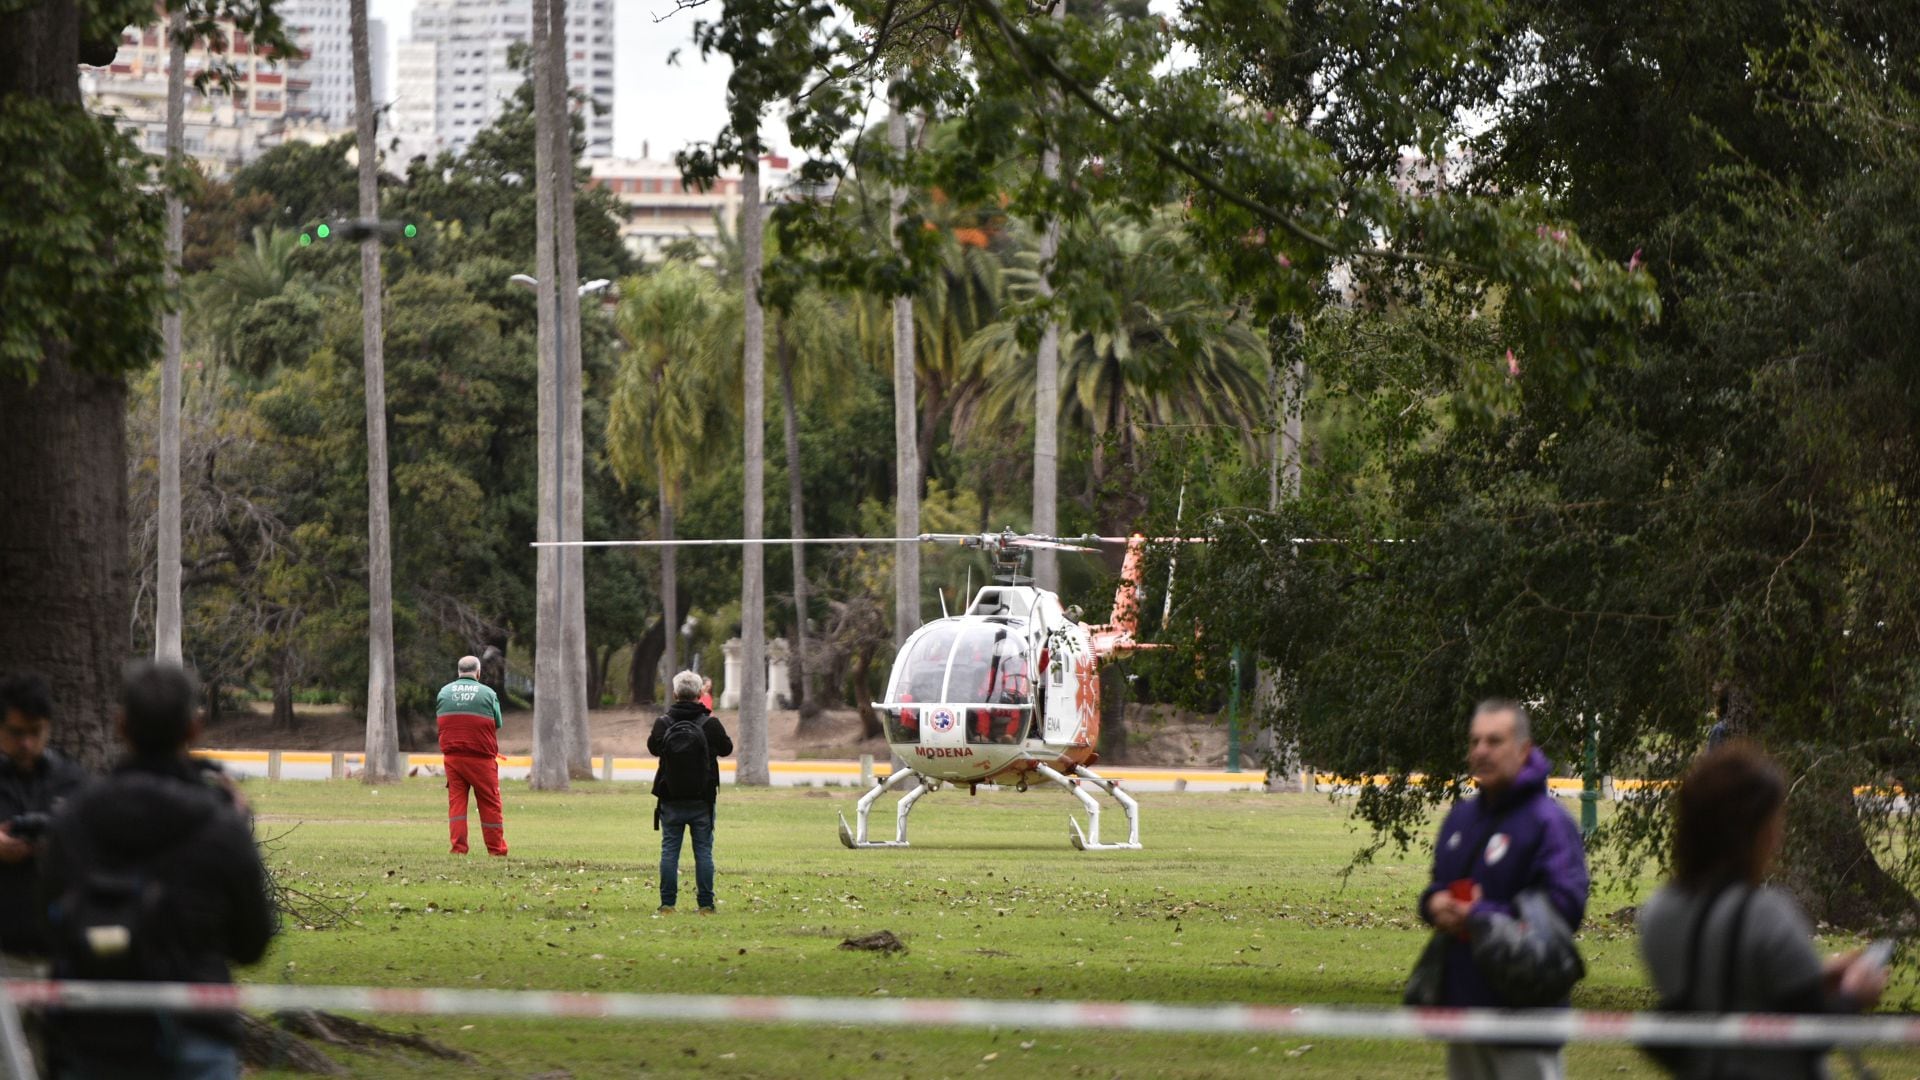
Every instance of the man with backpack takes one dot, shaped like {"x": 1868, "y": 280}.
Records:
{"x": 151, "y": 875}
{"x": 689, "y": 741}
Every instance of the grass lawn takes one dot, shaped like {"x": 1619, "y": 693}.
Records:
{"x": 1236, "y": 898}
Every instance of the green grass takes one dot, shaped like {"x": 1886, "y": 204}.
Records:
{"x": 1236, "y": 898}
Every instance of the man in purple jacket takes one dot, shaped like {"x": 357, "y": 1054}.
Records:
{"x": 1509, "y": 838}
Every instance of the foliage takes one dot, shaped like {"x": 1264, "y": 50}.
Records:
{"x": 80, "y": 243}
{"x": 1720, "y": 535}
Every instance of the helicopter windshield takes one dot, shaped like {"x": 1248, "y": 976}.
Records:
{"x": 977, "y": 664}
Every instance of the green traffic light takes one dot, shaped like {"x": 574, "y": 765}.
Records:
{"x": 324, "y": 232}
{"x": 305, "y": 240}
{"x": 410, "y": 231}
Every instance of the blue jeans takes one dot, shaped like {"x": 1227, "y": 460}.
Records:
{"x": 696, "y": 817}
{"x": 195, "y": 1056}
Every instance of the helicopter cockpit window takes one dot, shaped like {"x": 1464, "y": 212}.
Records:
{"x": 921, "y": 676}
{"x": 991, "y": 666}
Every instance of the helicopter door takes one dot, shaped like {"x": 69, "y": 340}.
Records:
{"x": 1063, "y": 689}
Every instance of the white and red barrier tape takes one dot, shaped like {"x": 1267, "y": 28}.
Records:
{"x": 1318, "y": 1021}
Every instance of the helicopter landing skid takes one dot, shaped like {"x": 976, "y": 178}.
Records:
{"x": 1090, "y": 840}
{"x": 857, "y": 837}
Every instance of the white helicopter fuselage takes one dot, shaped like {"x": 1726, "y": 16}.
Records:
{"x": 990, "y": 695}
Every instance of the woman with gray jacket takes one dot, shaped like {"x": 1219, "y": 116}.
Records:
{"x": 1717, "y": 939}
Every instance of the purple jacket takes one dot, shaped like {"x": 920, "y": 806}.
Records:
{"x": 1507, "y": 842}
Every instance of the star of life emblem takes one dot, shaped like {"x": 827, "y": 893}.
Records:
{"x": 942, "y": 720}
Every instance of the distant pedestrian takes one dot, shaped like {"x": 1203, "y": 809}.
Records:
{"x": 468, "y": 716}
{"x": 706, "y": 694}
{"x": 152, "y": 875}
{"x": 1508, "y": 839}
{"x": 34, "y": 780}
{"x": 689, "y": 741}
{"x": 1716, "y": 939}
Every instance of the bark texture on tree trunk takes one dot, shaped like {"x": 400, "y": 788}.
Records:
{"x": 1046, "y": 394}
{"x": 63, "y": 547}
{"x": 572, "y": 525}
{"x": 798, "y": 687}
{"x": 552, "y": 729}
{"x": 906, "y": 505}
{"x": 383, "y": 729}
{"x": 166, "y": 617}
{"x": 751, "y": 753}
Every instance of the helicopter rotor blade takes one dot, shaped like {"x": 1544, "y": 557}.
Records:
{"x": 1049, "y": 545}
{"x": 733, "y": 541}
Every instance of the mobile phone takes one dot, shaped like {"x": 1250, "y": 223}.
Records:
{"x": 1879, "y": 954}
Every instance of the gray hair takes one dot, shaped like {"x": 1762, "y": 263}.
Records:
{"x": 1522, "y": 721}
{"x": 686, "y": 686}
{"x": 469, "y": 665}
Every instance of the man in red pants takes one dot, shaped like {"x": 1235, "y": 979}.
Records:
{"x": 469, "y": 717}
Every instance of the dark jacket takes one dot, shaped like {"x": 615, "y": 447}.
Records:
{"x": 718, "y": 746}
{"x": 167, "y": 820}
{"x": 36, "y": 790}
{"x": 1516, "y": 839}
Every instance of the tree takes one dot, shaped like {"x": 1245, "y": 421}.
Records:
{"x": 83, "y": 245}
{"x": 1160, "y": 350}
{"x": 166, "y": 640}
{"x": 906, "y": 496}
{"x": 752, "y": 754}
{"x": 554, "y": 665}
{"x": 383, "y": 726}
{"x": 659, "y": 416}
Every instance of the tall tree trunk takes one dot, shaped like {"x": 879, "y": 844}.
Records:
{"x": 1286, "y": 386}
{"x": 1046, "y": 393}
{"x": 63, "y": 542}
{"x": 283, "y": 717}
{"x": 166, "y": 618}
{"x": 906, "y": 505}
{"x": 797, "y": 526}
{"x": 383, "y": 729}
{"x": 669, "y": 584}
{"x": 751, "y": 758}
{"x": 552, "y": 727}
{"x": 566, "y": 261}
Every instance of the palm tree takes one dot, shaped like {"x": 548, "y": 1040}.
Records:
{"x": 659, "y": 419}
{"x": 223, "y": 295}
{"x": 166, "y": 620}
{"x": 1166, "y": 353}
{"x": 811, "y": 345}
{"x": 383, "y": 729}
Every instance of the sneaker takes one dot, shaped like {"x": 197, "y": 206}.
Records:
{"x": 707, "y": 911}
{"x": 665, "y": 909}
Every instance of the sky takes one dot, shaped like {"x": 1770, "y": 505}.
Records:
{"x": 662, "y": 106}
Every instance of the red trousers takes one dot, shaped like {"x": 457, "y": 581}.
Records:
{"x": 482, "y": 774}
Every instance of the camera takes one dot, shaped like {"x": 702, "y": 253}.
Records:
{"x": 29, "y": 826}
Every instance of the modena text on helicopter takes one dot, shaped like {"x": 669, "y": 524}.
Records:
{"x": 1007, "y": 692}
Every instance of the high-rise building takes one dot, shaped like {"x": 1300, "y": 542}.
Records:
{"x": 455, "y": 70}
{"x": 308, "y": 96}
{"x": 223, "y": 128}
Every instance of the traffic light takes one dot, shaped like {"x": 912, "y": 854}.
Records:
{"x": 357, "y": 229}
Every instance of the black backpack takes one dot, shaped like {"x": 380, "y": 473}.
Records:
{"x": 118, "y": 923}
{"x": 684, "y": 759}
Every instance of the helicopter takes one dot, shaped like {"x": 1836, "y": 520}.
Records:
{"x": 1007, "y": 692}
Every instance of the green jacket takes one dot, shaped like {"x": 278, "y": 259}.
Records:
{"x": 469, "y": 696}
